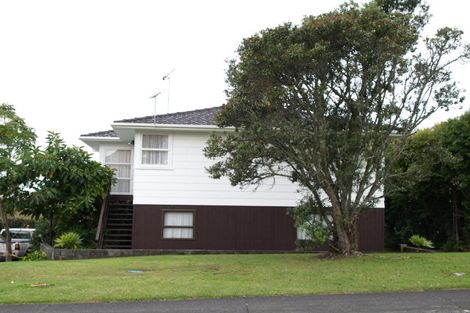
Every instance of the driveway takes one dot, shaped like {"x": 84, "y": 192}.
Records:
{"x": 419, "y": 302}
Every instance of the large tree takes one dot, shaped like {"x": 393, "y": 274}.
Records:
{"x": 320, "y": 103}
{"x": 428, "y": 191}
{"x": 70, "y": 188}
{"x": 17, "y": 145}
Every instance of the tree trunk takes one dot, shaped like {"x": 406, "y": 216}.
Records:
{"x": 51, "y": 228}
{"x": 455, "y": 215}
{"x": 348, "y": 236}
{"x": 8, "y": 251}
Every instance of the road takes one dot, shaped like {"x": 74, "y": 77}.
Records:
{"x": 420, "y": 302}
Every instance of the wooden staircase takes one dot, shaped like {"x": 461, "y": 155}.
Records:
{"x": 117, "y": 233}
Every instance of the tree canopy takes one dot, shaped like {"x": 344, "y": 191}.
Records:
{"x": 428, "y": 189}
{"x": 321, "y": 102}
{"x": 71, "y": 187}
{"x": 59, "y": 183}
{"x": 17, "y": 142}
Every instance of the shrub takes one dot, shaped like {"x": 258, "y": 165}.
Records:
{"x": 43, "y": 233}
{"x": 37, "y": 255}
{"x": 70, "y": 240}
{"x": 420, "y": 241}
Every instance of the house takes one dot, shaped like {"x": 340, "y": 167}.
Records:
{"x": 165, "y": 199}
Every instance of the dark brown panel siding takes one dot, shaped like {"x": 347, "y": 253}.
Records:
{"x": 218, "y": 228}
{"x": 225, "y": 228}
{"x": 371, "y": 230}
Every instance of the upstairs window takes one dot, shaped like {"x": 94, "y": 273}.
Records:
{"x": 155, "y": 149}
{"x": 120, "y": 161}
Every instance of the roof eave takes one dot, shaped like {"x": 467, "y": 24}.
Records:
{"x": 170, "y": 127}
{"x": 93, "y": 142}
{"x": 97, "y": 138}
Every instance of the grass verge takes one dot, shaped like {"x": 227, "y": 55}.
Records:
{"x": 214, "y": 276}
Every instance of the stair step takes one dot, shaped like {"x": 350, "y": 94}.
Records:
{"x": 115, "y": 230}
{"x": 117, "y": 247}
{"x": 117, "y": 241}
{"x": 126, "y": 216}
{"x": 121, "y": 206}
{"x": 118, "y": 224}
{"x": 128, "y": 236}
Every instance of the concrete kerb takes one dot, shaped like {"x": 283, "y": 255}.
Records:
{"x": 78, "y": 254}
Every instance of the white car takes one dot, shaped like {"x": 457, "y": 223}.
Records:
{"x": 21, "y": 241}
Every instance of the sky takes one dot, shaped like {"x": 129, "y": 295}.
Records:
{"x": 73, "y": 67}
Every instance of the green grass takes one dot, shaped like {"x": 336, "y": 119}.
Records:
{"x": 213, "y": 276}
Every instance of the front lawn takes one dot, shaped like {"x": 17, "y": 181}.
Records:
{"x": 213, "y": 276}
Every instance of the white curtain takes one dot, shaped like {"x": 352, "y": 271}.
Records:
{"x": 120, "y": 162}
{"x": 153, "y": 149}
{"x": 155, "y": 141}
{"x": 118, "y": 156}
{"x": 179, "y": 219}
{"x": 178, "y": 233}
{"x": 122, "y": 186}
{"x": 155, "y": 157}
{"x": 122, "y": 171}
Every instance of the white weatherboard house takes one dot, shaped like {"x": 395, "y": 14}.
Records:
{"x": 165, "y": 199}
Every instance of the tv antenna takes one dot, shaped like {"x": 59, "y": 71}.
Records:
{"x": 155, "y": 107}
{"x": 167, "y": 77}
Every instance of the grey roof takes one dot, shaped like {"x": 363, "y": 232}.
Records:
{"x": 195, "y": 117}
{"x": 105, "y": 133}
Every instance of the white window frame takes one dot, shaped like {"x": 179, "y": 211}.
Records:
{"x": 192, "y": 227}
{"x": 139, "y": 149}
{"x": 104, "y": 149}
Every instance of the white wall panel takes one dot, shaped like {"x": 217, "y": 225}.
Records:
{"x": 186, "y": 181}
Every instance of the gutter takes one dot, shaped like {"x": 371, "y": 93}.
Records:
{"x": 90, "y": 138}
{"x": 170, "y": 127}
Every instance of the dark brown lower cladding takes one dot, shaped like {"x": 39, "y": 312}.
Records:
{"x": 239, "y": 228}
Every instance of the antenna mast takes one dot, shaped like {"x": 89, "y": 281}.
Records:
{"x": 167, "y": 77}
{"x": 155, "y": 107}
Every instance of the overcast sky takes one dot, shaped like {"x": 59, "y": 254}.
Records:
{"x": 75, "y": 66}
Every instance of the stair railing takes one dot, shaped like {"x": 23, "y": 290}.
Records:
{"x": 101, "y": 224}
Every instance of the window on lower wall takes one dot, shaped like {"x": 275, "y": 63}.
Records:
{"x": 302, "y": 234}
{"x": 178, "y": 225}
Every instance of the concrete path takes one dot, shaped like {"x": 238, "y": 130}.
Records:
{"x": 420, "y": 302}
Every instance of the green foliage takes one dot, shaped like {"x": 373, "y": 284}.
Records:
{"x": 316, "y": 223}
{"x": 428, "y": 188}
{"x": 20, "y": 222}
{"x": 318, "y": 103}
{"x": 41, "y": 234}
{"x": 17, "y": 146}
{"x": 317, "y": 231}
{"x": 61, "y": 184}
{"x": 71, "y": 190}
{"x": 36, "y": 255}
{"x": 420, "y": 241}
{"x": 68, "y": 240}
